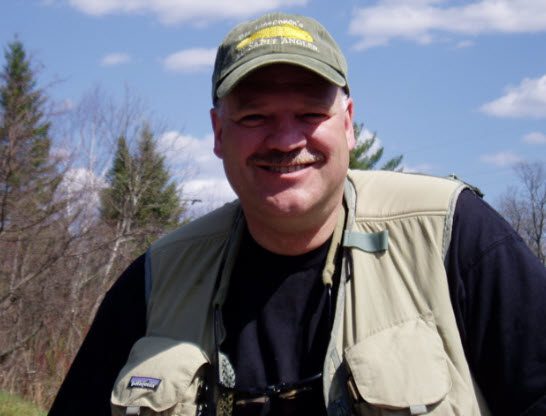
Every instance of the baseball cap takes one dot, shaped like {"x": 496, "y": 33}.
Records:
{"x": 277, "y": 38}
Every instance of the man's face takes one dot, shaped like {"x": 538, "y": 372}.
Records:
{"x": 284, "y": 135}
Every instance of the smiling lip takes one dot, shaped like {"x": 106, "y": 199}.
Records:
{"x": 280, "y": 162}
{"x": 284, "y": 169}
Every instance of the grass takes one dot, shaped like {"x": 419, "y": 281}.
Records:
{"x": 11, "y": 405}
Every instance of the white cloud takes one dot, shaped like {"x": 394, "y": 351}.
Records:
{"x": 501, "y": 159}
{"x": 421, "y": 168}
{"x": 190, "y": 60}
{"x": 366, "y": 134}
{"x": 464, "y": 44}
{"x": 208, "y": 194}
{"x": 535, "y": 138}
{"x": 61, "y": 154}
{"x": 82, "y": 187}
{"x": 193, "y": 154}
{"x": 115, "y": 58}
{"x": 200, "y": 172}
{"x": 81, "y": 180}
{"x": 528, "y": 99}
{"x": 421, "y": 20}
{"x": 176, "y": 11}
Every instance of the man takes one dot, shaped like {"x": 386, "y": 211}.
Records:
{"x": 318, "y": 291}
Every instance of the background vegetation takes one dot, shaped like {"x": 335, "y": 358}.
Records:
{"x": 11, "y": 405}
{"x": 64, "y": 234}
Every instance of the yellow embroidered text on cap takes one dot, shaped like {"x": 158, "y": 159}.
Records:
{"x": 281, "y": 31}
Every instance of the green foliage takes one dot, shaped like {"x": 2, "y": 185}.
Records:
{"x": 28, "y": 179}
{"x": 114, "y": 198}
{"x": 362, "y": 158}
{"x": 24, "y": 134}
{"x": 14, "y": 406}
{"x": 140, "y": 195}
{"x": 160, "y": 202}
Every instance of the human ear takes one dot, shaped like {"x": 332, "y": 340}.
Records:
{"x": 348, "y": 123}
{"x": 216, "y": 121}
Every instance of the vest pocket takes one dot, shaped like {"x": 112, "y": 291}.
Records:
{"x": 162, "y": 376}
{"x": 401, "y": 370}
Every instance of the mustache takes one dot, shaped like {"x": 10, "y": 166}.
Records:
{"x": 294, "y": 157}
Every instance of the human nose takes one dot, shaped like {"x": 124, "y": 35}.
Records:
{"x": 286, "y": 134}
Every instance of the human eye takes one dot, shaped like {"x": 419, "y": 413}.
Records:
{"x": 314, "y": 117}
{"x": 251, "y": 120}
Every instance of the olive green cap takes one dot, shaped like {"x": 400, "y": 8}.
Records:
{"x": 277, "y": 38}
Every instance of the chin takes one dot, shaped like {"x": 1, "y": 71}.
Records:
{"x": 284, "y": 206}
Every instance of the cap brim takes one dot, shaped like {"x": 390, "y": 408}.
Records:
{"x": 314, "y": 65}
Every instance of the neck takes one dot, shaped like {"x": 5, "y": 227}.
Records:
{"x": 292, "y": 236}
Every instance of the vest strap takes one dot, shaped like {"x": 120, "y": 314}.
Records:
{"x": 418, "y": 409}
{"x": 147, "y": 276}
{"x": 369, "y": 242}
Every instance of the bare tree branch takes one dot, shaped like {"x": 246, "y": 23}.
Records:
{"x": 525, "y": 207}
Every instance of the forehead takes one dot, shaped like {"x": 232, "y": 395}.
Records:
{"x": 282, "y": 78}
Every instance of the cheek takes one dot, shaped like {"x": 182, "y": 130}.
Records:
{"x": 244, "y": 141}
{"x": 331, "y": 139}
{"x": 236, "y": 147}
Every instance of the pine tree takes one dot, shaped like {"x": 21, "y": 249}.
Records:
{"x": 27, "y": 177}
{"x": 361, "y": 158}
{"x": 140, "y": 201}
{"x": 160, "y": 203}
{"x": 115, "y": 199}
{"x": 34, "y": 232}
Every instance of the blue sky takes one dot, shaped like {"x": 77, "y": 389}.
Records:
{"x": 455, "y": 86}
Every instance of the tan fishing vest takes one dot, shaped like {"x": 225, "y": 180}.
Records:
{"x": 394, "y": 348}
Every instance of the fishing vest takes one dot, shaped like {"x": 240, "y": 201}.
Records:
{"x": 394, "y": 348}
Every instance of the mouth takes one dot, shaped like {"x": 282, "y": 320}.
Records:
{"x": 282, "y": 163}
{"x": 284, "y": 169}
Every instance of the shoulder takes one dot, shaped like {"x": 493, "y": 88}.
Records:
{"x": 215, "y": 225}
{"x": 401, "y": 181}
{"x": 478, "y": 229}
{"x": 386, "y": 193}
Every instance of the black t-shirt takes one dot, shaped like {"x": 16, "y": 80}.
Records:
{"x": 498, "y": 292}
{"x": 276, "y": 316}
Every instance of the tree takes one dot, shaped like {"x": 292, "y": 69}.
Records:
{"x": 34, "y": 232}
{"x": 140, "y": 202}
{"x": 363, "y": 157}
{"x": 160, "y": 205}
{"x": 108, "y": 134}
{"x": 57, "y": 255}
{"x": 525, "y": 206}
{"x": 114, "y": 199}
{"x": 27, "y": 176}
{"x": 113, "y": 149}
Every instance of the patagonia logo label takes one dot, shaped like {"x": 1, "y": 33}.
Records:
{"x": 144, "y": 383}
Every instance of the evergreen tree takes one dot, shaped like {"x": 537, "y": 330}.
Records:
{"x": 362, "y": 158}
{"x": 115, "y": 200}
{"x": 160, "y": 203}
{"x": 34, "y": 229}
{"x": 140, "y": 201}
{"x": 27, "y": 177}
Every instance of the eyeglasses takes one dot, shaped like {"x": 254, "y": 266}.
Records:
{"x": 278, "y": 399}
